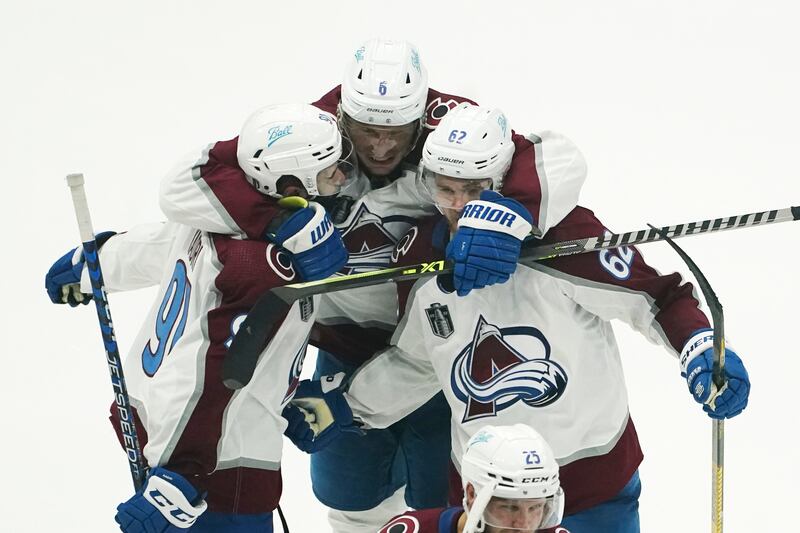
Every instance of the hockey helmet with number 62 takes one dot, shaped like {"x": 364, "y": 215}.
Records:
{"x": 471, "y": 142}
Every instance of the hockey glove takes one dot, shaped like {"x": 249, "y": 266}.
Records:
{"x": 697, "y": 361}
{"x": 315, "y": 245}
{"x": 167, "y": 503}
{"x": 486, "y": 246}
{"x": 299, "y": 428}
{"x": 326, "y": 411}
{"x": 63, "y": 280}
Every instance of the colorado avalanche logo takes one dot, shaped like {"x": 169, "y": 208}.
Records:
{"x": 369, "y": 240}
{"x": 294, "y": 372}
{"x": 490, "y": 374}
{"x": 436, "y": 110}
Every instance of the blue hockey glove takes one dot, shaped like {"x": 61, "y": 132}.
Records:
{"x": 299, "y": 429}
{"x": 325, "y": 410}
{"x": 168, "y": 503}
{"x": 314, "y": 243}
{"x": 697, "y": 360}
{"x": 486, "y": 245}
{"x": 63, "y": 280}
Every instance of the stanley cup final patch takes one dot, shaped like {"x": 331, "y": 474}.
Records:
{"x": 440, "y": 321}
{"x": 306, "y": 308}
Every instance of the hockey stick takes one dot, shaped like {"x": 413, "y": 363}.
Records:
{"x": 126, "y": 419}
{"x": 717, "y": 426}
{"x": 250, "y": 340}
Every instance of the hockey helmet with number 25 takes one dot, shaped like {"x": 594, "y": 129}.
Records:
{"x": 513, "y": 463}
{"x": 288, "y": 139}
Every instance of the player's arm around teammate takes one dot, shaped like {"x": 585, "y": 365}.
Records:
{"x": 215, "y": 456}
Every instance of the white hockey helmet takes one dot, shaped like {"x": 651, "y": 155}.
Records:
{"x": 511, "y": 462}
{"x": 385, "y": 84}
{"x": 288, "y": 139}
{"x": 471, "y": 142}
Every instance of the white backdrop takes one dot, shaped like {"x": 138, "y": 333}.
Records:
{"x": 685, "y": 110}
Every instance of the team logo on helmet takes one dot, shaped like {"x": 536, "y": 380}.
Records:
{"x": 401, "y": 524}
{"x": 439, "y": 319}
{"x": 436, "y": 110}
{"x": 503, "y": 123}
{"x": 480, "y": 437}
{"x": 360, "y": 54}
{"x": 415, "y": 60}
{"x": 502, "y": 366}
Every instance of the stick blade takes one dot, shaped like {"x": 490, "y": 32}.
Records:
{"x": 245, "y": 350}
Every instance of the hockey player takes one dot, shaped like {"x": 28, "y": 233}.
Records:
{"x": 538, "y": 349}
{"x": 215, "y": 456}
{"x": 510, "y": 479}
{"x": 385, "y": 106}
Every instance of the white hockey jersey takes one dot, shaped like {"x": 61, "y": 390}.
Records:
{"x": 209, "y": 191}
{"x": 227, "y": 443}
{"x": 538, "y": 349}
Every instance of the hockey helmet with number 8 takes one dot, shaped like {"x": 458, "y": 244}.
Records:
{"x": 385, "y": 84}
{"x": 296, "y": 140}
{"x": 511, "y": 463}
{"x": 470, "y": 143}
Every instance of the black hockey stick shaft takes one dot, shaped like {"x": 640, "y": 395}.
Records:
{"x": 717, "y": 426}
{"x": 250, "y": 340}
{"x": 121, "y": 398}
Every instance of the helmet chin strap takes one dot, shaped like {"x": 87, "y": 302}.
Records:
{"x": 474, "y": 515}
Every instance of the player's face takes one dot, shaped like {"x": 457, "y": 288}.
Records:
{"x": 330, "y": 180}
{"x": 452, "y": 194}
{"x": 504, "y": 515}
{"x": 380, "y": 149}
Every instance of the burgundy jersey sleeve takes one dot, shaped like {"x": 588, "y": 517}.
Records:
{"x": 330, "y": 101}
{"x": 352, "y": 344}
{"x": 437, "y": 107}
{"x": 249, "y": 209}
{"x": 676, "y": 309}
{"x": 218, "y": 183}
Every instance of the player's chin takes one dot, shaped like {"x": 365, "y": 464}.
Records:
{"x": 380, "y": 168}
